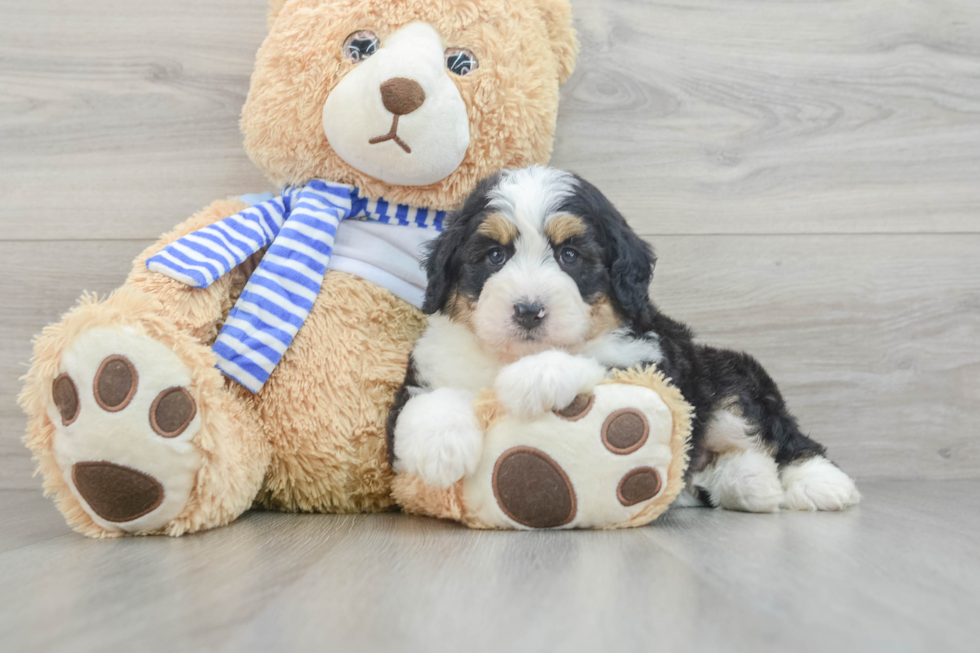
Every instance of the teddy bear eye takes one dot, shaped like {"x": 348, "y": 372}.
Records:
{"x": 461, "y": 61}
{"x": 361, "y": 45}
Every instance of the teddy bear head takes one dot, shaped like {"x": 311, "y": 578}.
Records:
{"x": 411, "y": 100}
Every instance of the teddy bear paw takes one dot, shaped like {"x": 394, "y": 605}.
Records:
{"x": 124, "y": 418}
{"x": 597, "y": 462}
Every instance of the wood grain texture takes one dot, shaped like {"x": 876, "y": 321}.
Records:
{"x": 872, "y": 338}
{"x": 754, "y": 116}
{"x": 899, "y": 573}
{"x": 39, "y": 282}
{"x": 119, "y": 118}
{"x": 700, "y": 116}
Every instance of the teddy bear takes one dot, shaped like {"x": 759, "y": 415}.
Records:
{"x": 251, "y": 356}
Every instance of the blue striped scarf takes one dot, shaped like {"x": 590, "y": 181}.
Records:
{"x": 299, "y": 228}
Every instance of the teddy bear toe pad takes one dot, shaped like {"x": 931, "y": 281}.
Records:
{"x": 596, "y": 463}
{"x": 532, "y": 489}
{"x": 124, "y": 420}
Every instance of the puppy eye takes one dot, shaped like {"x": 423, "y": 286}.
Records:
{"x": 568, "y": 256}
{"x": 361, "y": 45}
{"x": 461, "y": 61}
{"x": 496, "y": 257}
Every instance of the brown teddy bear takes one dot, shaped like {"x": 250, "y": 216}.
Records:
{"x": 376, "y": 118}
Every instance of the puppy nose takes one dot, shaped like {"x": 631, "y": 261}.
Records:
{"x": 529, "y": 315}
{"x": 401, "y": 95}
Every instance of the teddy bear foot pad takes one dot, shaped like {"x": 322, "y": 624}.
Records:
{"x": 124, "y": 418}
{"x": 597, "y": 463}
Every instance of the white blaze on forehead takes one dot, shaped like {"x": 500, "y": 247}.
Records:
{"x": 529, "y": 196}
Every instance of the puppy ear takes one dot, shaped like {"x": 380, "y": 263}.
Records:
{"x": 558, "y": 19}
{"x": 629, "y": 259}
{"x": 442, "y": 266}
{"x": 631, "y": 268}
{"x": 443, "y": 259}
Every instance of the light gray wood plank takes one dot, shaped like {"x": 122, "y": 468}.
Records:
{"x": 120, "y": 119}
{"x": 873, "y": 339}
{"x": 705, "y": 116}
{"x": 697, "y": 580}
{"x": 831, "y": 116}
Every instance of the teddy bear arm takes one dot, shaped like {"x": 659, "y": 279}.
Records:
{"x": 199, "y": 311}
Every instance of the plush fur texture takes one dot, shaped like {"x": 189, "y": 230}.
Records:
{"x": 525, "y": 49}
{"x": 540, "y": 284}
{"x": 313, "y": 438}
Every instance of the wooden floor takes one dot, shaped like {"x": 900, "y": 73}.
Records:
{"x": 810, "y": 175}
{"x": 900, "y": 573}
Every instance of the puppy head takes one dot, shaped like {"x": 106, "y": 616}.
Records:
{"x": 538, "y": 259}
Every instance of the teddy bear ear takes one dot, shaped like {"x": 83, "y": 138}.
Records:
{"x": 558, "y": 18}
{"x": 275, "y": 6}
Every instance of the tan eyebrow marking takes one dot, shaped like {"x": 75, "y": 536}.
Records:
{"x": 460, "y": 309}
{"x": 562, "y": 227}
{"x": 499, "y": 228}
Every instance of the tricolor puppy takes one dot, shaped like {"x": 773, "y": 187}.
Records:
{"x": 537, "y": 288}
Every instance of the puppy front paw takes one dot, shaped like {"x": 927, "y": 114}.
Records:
{"x": 547, "y": 381}
{"x": 437, "y": 437}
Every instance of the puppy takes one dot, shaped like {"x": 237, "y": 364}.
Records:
{"x": 537, "y": 289}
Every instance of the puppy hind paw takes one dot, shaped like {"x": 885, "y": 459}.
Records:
{"x": 746, "y": 481}
{"x": 817, "y": 484}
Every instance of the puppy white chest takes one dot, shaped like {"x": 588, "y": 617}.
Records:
{"x": 448, "y": 355}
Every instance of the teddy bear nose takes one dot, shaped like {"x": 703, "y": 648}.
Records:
{"x": 401, "y": 95}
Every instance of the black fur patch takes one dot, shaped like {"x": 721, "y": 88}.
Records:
{"x": 628, "y": 259}
{"x": 444, "y": 260}
{"x": 590, "y": 271}
{"x": 401, "y": 398}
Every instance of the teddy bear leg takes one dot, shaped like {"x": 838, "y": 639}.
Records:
{"x": 613, "y": 457}
{"x": 134, "y": 429}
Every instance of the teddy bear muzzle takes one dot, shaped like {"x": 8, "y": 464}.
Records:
{"x": 397, "y": 115}
{"x": 401, "y": 96}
